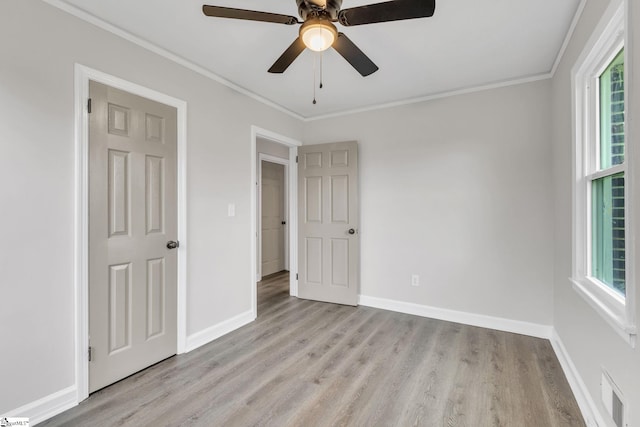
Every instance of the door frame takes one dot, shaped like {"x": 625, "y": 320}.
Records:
{"x": 82, "y": 75}
{"x": 292, "y": 144}
{"x": 285, "y": 162}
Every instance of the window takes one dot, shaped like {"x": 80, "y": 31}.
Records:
{"x": 606, "y": 176}
{"x": 601, "y": 271}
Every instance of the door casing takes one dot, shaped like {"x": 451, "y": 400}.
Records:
{"x": 82, "y": 76}
{"x": 292, "y": 185}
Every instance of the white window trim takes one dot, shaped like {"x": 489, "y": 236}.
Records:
{"x": 609, "y": 37}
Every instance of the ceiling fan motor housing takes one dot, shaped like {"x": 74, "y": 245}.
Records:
{"x": 317, "y": 8}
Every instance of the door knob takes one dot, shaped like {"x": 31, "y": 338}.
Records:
{"x": 172, "y": 244}
{"x": 352, "y": 231}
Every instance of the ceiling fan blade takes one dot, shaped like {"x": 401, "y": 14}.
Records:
{"x": 354, "y": 55}
{"x": 387, "y": 11}
{"x": 288, "y": 56}
{"x": 251, "y": 15}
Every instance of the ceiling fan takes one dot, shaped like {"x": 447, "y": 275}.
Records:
{"x": 318, "y": 32}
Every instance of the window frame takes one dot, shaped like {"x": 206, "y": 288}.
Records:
{"x": 609, "y": 37}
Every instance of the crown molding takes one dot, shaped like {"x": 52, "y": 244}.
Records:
{"x": 100, "y": 23}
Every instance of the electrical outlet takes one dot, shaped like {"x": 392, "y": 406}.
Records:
{"x": 415, "y": 280}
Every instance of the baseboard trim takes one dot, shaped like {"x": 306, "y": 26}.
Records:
{"x": 588, "y": 408}
{"x": 47, "y": 407}
{"x": 590, "y": 412}
{"x": 481, "y": 320}
{"x": 216, "y": 331}
{"x": 55, "y": 403}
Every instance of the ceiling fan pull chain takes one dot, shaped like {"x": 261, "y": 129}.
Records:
{"x": 320, "y": 70}
{"x": 314, "y": 79}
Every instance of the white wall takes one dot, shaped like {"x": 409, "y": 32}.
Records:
{"x": 39, "y": 47}
{"x": 590, "y": 342}
{"x": 456, "y": 190}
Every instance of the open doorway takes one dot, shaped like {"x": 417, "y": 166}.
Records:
{"x": 272, "y": 203}
{"x": 278, "y": 153}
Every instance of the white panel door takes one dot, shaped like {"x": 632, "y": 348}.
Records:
{"x": 273, "y": 216}
{"x": 328, "y": 242}
{"x": 132, "y": 216}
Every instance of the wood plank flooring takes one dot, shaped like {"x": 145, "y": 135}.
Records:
{"x": 306, "y": 363}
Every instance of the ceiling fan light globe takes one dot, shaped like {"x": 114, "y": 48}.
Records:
{"x": 318, "y": 36}
{"x": 318, "y": 42}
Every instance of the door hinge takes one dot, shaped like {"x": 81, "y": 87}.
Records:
{"x": 89, "y": 105}
{"x": 296, "y": 159}
{"x": 90, "y": 353}
{"x": 296, "y": 276}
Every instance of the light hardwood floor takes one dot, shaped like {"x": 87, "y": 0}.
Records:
{"x": 305, "y": 363}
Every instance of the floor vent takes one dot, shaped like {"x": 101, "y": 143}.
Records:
{"x": 617, "y": 410}
{"x": 612, "y": 399}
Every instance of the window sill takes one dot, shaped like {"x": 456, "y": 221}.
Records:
{"x": 608, "y": 308}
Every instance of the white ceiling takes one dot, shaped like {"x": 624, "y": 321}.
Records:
{"x": 466, "y": 44}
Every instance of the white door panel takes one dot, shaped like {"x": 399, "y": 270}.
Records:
{"x": 327, "y": 211}
{"x": 132, "y": 215}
